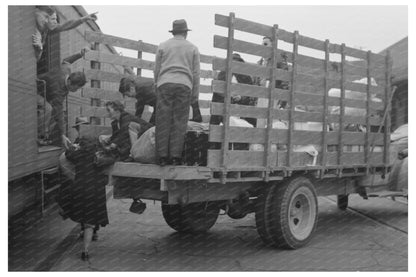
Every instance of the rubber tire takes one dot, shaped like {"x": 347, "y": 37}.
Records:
{"x": 272, "y": 214}
{"x": 191, "y": 218}
{"x": 262, "y": 212}
{"x": 342, "y": 201}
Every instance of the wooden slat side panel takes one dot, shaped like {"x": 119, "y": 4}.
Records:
{"x": 253, "y": 27}
{"x": 265, "y": 30}
{"x": 131, "y": 44}
{"x": 131, "y": 62}
{"x": 250, "y": 159}
{"x": 112, "y": 40}
{"x": 300, "y": 98}
{"x": 119, "y": 60}
{"x": 249, "y": 48}
{"x": 300, "y": 137}
{"x": 111, "y": 77}
{"x": 256, "y": 112}
{"x": 94, "y": 111}
{"x": 116, "y": 77}
{"x": 250, "y": 69}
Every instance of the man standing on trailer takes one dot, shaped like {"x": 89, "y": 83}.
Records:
{"x": 58, "y": 84}
{"x": 176, "y": 75}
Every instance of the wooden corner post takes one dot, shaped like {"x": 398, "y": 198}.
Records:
{"x": 387, "y": 123}
{"x": 342, "y": 111}
{"x": 291, "y": 99}
{"x": 227, "y": 98}
{"x": 273, "y": 64}
{"x": 368, "y": 114}
{"x": 139, "y": 56}
{"x": 325, "y": 111}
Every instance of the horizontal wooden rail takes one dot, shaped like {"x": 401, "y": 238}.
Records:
{"x": 100, "y": 93}
{"x": 130, "y": 44}
{"x": 130, "y": 62}
{"x": 250, "y": 159}
{"x": 105, "y": 76}
{"x": 300, "y": 98}
{"x": 256, "y": 112}
{"x": 300, "y": 137}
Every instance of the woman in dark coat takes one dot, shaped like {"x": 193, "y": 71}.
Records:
{"x": 88, "y": 196}
{"x": 237, "y": 99}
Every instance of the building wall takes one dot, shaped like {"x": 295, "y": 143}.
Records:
{"x": 72, "y": 42}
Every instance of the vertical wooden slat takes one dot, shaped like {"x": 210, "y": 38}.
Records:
{"x": 325, "y": 111}
{"x": 342, "y": 108}
{"x": 139, "y": 56}
{"x": 368, "y": 127}
{"x": 271, "y": 103}
{"x": 291, "y": 98}
{"x": 387, "y": 122}
{"x": 227, "y": 98}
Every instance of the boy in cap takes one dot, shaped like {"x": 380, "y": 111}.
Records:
{"x": 176, "y": 75}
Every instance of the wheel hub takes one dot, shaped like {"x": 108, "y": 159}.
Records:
{"x": 302, "y": 212}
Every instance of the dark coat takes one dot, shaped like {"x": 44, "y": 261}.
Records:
{"x": 120, "y": 135}
{"x": 87, "y": 193}
{"x": 245, "y": 100}
{"x": 145, "y": 95}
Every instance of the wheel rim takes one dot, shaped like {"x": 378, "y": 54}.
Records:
{"x": 302, "y": 213}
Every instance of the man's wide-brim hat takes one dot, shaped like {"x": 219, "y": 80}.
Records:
{"x": 80, "y": 121}
{"x": 179, "y": 26}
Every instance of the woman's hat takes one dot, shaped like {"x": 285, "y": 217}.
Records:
{"x": 80, "y": 121}
{"x": 179, "y": 26}
{"x": 237, "y": 57}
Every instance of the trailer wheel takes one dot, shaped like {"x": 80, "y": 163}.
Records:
{"x": 192, "y": 218}
{"x": 262, "y": 208}
{"x": 290, "y": 213}
{"x": 342, "y": 201}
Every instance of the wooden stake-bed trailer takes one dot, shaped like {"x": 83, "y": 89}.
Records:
{"x": 278, "y": 183}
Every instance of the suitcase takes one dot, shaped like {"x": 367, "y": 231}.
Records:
{"x": 195, "y": 150}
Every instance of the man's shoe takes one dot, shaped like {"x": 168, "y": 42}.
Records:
{"x": 85, "y": 257}
{"x": 137, "y": 207}
{"x": 129, "y": 160}
{"x": 176, "y": 161}
{"x": 163, "y": 161}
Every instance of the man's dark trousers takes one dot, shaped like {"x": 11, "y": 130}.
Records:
{"x": 172, "y": 114}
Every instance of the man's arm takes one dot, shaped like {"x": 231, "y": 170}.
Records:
{"x": 196, "y": 71}
{"x": 71, "y": 24}
{"x": 139, "y": 108}
{"x": 158, "y": 64}
{"x": 65, "y": 66}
